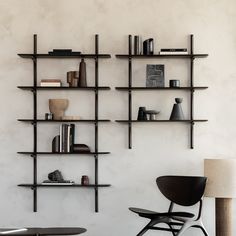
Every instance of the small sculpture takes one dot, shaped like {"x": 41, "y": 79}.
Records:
{"x": 82, "y": 74}
{"x": 177, "y": 112}
{"x": 142, "y": 113}
{"x": 55, "y": 176}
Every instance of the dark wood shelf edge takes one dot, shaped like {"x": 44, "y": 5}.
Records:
{"x": 160, "y": 88}
{"x": 198, "y": 55}
{"x": 44, "y": 55}
{"x": 159, "y": 121}
{"x": 92, "y": 88}
{"x": 66, "y": 185}
{"x": 62, "y": 153}
{"x": 58, "y": 121}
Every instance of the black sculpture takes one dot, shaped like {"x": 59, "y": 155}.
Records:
{"x": 177, "y": 112}
{"x": 56, "y": 176}
{"x": 148, "y": 47}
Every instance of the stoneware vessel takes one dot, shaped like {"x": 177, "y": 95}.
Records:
{"x": 57, "y": 107}
{"x": 177, "y": 112}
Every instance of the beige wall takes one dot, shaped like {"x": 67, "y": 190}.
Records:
{"x": 159, "y": 149}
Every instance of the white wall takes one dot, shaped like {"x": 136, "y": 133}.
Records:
{"x": 159, "y": 149}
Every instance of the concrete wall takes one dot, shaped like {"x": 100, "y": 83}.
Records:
{"x": 158, "y": 149}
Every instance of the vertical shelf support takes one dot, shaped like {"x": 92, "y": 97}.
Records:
{"x": 35, "y": 123}
{"x": 192, "y": 92}
{"x": 130, "y": 92}
{"x": 96, "y": 121}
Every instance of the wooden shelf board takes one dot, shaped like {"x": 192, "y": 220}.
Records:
{"x": 123, "y": 56}
{"x": 92, "y": 88}
{"x": 64, "y": 185}
{"x": 45, "y": 55}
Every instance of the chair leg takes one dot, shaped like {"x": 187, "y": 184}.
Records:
{"x": 172, "y": 231}
{"x": 184, "y": 227}
{"x": 146, "y": 228}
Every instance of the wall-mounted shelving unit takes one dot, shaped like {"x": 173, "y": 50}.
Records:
{"x": 191, "y": 88}
{"x": 35, "y": 120}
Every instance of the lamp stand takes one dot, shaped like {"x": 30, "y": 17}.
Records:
{"x": 223, "y": 216}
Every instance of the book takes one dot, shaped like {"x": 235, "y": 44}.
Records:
{"x": 67, "y": 132}
{"x": 173, "y": 53}
{"x": 51, "y": 80}
{"x": 64, "y": 182}
{"x": 174, "y": 50}
{"x": 43, "y": 84}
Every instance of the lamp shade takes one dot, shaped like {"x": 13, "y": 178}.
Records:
{"x": 221, "y": 178}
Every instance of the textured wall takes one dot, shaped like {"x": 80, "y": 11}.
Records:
{"x": 159, "y": 149}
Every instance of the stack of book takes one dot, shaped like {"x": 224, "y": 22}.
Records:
{"x": 67, "y": 133}
{"x": 62, "y": 182}
{"x": 50, "y": 83}
{"x": 173, "y": 51}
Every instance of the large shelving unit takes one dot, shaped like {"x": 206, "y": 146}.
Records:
{"x": 191, "y": 88}
{"x": 35, "y": 121}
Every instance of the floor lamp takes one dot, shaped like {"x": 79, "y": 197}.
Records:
{"x": 221, "y": 184}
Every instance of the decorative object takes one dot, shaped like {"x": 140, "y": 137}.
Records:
{"x": 155, "y": 75}
{"x": 84, "y": 180}
{"x": 148, "y": 47}
{"x": 81, "y": 148}
{"x": 57, "y": 107}
{"x": 174, "y": 83}
{"x": 177, "y": 112}
{"x": 82, "y": 74}
{"x": 221, "y": 185}
{"x": 48, "y": 116}
{"x": 137, "y": 41}
{"x": 142, "y": 113}
{"x": 55, "y": 176}
{"x": 185, "y": 191}
{"x": 56, "y": 144}
{"x": 73, "y": 78}
{"x": 152, "y": 114}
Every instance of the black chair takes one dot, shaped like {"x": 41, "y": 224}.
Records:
{"x": 181, "y": 190}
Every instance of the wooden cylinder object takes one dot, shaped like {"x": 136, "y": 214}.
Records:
{"x": 223, "y": 216}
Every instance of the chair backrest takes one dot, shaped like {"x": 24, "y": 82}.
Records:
{"x": 182, "y": 190}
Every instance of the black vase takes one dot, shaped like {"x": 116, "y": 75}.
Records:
{"x": 148, "y": 47}
{"x": 142, "y": 113}
{"x": 177, "y": 112}
{"x": 82, "y": 74}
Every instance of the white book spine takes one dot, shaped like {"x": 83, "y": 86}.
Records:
{"x": 173, "y": 53}
{"x": 45, "y": 84}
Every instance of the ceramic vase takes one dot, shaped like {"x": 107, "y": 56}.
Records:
{"x": 177, "y": 112}
{"x": 57, "y": 107}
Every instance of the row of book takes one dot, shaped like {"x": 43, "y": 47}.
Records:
{"x": 67, "y": 136}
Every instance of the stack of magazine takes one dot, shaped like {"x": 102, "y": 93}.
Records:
{"x": 173, "y": 51}
{"x": 67, "y": 133}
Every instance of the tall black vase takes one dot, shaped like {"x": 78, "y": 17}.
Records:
{"x": 82, "y": 74}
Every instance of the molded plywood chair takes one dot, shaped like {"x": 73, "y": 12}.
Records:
{"x": 181, "y": 190}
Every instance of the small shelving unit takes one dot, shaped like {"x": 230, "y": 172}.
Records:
{"x": 35, "y": 120}
{"x": 191, "y": 88}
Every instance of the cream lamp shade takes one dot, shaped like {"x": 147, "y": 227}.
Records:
{"x": 221, "y": 178}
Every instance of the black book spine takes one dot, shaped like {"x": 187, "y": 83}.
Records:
{"x": 174, "y": 50}
{"x": 72, "y": 136}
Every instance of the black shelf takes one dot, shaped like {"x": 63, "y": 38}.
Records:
{"x": 45, "y": 55}
{"x": 91, "y": 88}
{"x": 62, "y": 121}
{"x": 161, "y": 88}
{"x": 64, "y": 185}
{"x": 63, "y": 153}
{"x": 35, "y": 89}
{"x": 191, "y": 88}
{"x": 126, "y": 56}
{"x": 158, "y": 121}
